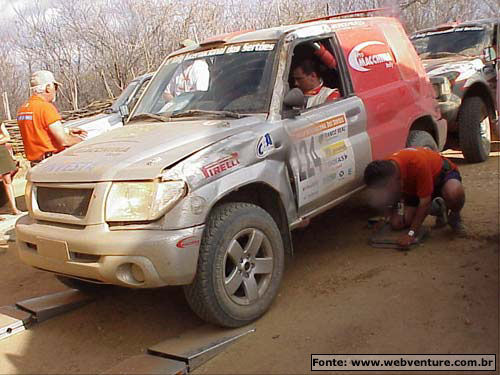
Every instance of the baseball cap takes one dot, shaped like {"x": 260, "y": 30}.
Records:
{"x": 42, "y": 78}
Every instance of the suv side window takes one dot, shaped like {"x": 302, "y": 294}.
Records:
{"x": 315, "y": 70}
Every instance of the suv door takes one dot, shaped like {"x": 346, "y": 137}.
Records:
{"x": 329, "y": 147}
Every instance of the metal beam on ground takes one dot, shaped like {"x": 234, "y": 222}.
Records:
{"x": 200, "y": 345}
{"x": 13, "y": 320}
{"x": 149, "y": 364}
{"x": 46, "y": 307}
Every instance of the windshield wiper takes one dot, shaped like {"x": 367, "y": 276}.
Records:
{"x": 198, "y": 112}
{"x": 142, "y": 116}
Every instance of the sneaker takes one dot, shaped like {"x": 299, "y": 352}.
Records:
{"x": 455, "y": 222}
{"x": 439, "y": 209}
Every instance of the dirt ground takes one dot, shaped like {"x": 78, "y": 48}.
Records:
{"x": 338, "y": 296}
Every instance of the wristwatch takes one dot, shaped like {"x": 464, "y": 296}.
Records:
{"x": 411, "y": 233}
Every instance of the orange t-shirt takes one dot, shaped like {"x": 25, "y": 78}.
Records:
{"x": 419, "y": 169}
{"x": 34, "y": 118}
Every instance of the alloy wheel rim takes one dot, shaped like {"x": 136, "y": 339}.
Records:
{"x": 248, "y": 266}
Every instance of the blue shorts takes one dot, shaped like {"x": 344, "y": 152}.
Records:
{"x": 454, "y": 174}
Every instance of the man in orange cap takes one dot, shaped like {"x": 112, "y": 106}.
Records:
{"x": 40, "y": 123}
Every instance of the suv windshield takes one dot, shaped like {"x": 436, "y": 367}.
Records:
{"x": 468, "y": 41}
{"x": 123, "y": 97}
{"x": 234, "y": 78}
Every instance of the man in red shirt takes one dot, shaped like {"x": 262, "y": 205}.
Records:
{"x": 40, "y": 122}
{"x": 306, "y": 77}
{"x": 417, "y": 177}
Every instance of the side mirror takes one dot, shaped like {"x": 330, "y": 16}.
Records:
{"x": 124, "y": 112}
{"x": 489, "y": 54}
{"x": 294, "y": 101}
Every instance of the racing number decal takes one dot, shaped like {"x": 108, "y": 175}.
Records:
{"x": 312, "y": 160}
{"x": 323, "y": 158}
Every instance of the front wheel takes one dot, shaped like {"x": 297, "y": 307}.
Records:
{"x": 474, "y": 130}
{"x": 240, "y": 266}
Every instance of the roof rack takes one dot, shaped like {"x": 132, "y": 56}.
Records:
{"x": 354, "y": 13}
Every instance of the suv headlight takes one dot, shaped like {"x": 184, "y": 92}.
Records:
{"x": 142, "y": 201}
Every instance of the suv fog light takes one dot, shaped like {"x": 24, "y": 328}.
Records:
{"x": 130, "y": 273}
{"x": 137, "y": 273}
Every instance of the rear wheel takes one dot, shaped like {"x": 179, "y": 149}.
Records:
{"x": 421, "y": 138}
{"x": 474, "y": 130}
{"x": 240, "y": 266}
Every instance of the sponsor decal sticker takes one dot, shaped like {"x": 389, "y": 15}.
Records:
{"x": 334, "y": 149}
{"x": 363, "y": 61}
{"x": 187, "y": 242}
{"x": 264, "y": 146}
{"x": 320, "y": 127}
{"x": 221, "y": 165}
{"x": 70, "y": 167}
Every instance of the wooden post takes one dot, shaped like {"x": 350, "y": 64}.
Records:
{"x": 6, "y": 105}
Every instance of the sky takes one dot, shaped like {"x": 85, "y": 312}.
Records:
{"x": 7, "y": 7}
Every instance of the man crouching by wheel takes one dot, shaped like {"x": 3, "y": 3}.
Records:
{"x": 413, "y": 183}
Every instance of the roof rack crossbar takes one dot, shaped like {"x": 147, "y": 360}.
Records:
{"x": 353, "y": 13}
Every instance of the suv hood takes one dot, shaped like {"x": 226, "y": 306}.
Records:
{"x": 460, "y": 64}
{"x": 135, "y": 152}
{"x": 96, "y": 125}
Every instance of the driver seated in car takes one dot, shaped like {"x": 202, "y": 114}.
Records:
{"x": 307, "y": 78}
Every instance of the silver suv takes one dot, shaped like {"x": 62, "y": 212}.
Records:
{"x": 221, "y": 159}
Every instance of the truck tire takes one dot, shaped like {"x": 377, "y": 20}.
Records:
{"x": 421, "y": 138}
{"x": 240, "y": 266}
{"x": 474, "y": 130}
{"x": 84, "y": 286}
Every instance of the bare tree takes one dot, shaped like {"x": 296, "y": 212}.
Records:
{"x": 97, "y": 46}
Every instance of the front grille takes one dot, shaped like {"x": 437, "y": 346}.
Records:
{"x": 63, "y": 201}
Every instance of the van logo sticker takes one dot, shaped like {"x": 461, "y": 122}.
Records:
{"x": 265, "y": 145}
{"x": 221, "y": 165}
{"x": 362, "y": 62}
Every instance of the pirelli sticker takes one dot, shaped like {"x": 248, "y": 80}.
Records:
{"x": 221, "y": 165}
{"x": 320, "y": 127}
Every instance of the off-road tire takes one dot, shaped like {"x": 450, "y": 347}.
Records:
{"x": 207, "y": 294}
{"x": 84, "y": 286}
{"x": 470, "y": 115}
{"x": 421, "y": 138}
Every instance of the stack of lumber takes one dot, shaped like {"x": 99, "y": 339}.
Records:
{"x": 92, "y": 109}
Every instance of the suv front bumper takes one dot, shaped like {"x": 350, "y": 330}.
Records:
{"x": 136, "y": 258}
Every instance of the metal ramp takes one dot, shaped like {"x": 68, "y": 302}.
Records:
{"x": 17, "y": 318}
{"x": 175, "y": 356}
{"x": 183, "y": 354}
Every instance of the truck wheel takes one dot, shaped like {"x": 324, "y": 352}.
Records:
{"x": 240, "y": 266}
{"x": 474, "y": 130}
{"x": 421, "y": 138}
{"x": 84, "y": 286}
